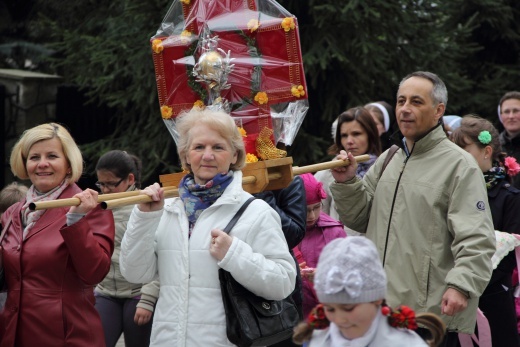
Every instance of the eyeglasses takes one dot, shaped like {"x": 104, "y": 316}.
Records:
{"x": 109, "y": 185}
{"x": 512, "y": 111}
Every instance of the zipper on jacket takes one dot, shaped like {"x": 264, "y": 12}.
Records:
{"x": 393, "y": 201}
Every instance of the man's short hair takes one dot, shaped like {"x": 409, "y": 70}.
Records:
{"x": 439, "y": 92}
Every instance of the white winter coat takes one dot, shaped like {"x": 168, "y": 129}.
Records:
{"x": 189, "y": 311}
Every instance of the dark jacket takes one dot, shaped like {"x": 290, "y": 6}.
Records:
{"x": 504, "y": 202}
{"x": 497, "y": 300}
{"x": 291, "y": 205}
{"x": 512, "y": 148}
{"x": 50, "y": 277}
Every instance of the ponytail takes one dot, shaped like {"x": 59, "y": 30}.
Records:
{"x": 405, "y": 317}
{"x": 434, "y": 325}
{"x": 316, "y": 320}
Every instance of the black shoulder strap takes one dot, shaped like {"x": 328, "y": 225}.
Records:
{"x": 237, "y": 215}
{"x": 391, "y": 152}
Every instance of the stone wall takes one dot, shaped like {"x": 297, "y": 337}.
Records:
{"x": 30, "y": 99}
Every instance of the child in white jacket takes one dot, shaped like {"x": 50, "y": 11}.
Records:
{"x": 351, "y": 285}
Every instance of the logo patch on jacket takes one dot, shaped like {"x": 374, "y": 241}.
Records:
{"x": 481, "y": 206}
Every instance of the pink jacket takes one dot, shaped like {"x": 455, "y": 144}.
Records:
{"x": 316, "y": 237}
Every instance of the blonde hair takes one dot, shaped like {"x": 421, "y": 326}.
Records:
{"x": 11, "y": 194}
{"x": 46, "y": 132}
{"x": 219, "y": 121}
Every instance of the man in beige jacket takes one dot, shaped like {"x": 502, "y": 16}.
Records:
{"x": 428, "y": 213}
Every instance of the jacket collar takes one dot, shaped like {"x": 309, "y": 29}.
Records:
{"x": 326, "y": 221}
{"x": 493, "y": 192}
{"x": 54, "y": 214}
{"x": 506, "y": 140}
{"x": 431, "y": 139}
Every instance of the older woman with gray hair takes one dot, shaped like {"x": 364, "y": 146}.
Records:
{"x": 180, "y": 241}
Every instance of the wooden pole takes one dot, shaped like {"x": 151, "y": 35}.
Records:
{"x": 245, "y": 180}
{"x": 300, "y": 170}
{"x": 43, "y": 205}
{"x": 136, "y": 197}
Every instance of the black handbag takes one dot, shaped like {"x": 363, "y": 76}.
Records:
{"x": 250, "y": 319}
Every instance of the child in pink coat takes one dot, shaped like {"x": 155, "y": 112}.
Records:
{"x": 320, "y": 230}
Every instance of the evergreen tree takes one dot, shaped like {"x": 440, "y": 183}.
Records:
{"x": 355, "y": 51}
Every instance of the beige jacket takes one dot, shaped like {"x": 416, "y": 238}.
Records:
{"x": 429, "y": 217}
{"x": 114, "y": 284}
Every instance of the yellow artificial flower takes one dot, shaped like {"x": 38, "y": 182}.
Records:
{"x": 251, "y": 158}
{"x": 199, "y": 104}
{"x": 157, "y": 46}
{"x": 242, "y": 131}
{"x": 261, "y": 98}
{"x": 186, "y": 2}
{"x": 253, "y": 24}
{"x": 166, "y": 112}
{"x": 288, "y": 23}
{"x": 185, "y": 36}
{"x": 297, "y": 91}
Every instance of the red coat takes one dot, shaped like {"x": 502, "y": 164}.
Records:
{"x": 50, "y": 278}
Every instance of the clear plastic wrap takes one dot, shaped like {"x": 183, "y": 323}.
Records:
{"x": 242, "y": 56}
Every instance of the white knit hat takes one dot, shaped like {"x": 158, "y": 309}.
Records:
{"x": 349, "y": 271}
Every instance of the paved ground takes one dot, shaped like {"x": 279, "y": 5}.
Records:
{"x": 121, "y": 342}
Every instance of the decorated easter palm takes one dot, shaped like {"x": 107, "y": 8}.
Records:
{"x": 240, "y": 56}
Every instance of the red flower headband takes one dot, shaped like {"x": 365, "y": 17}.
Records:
{"x": 317, "y": 318}
{"x": 402, "y": 317}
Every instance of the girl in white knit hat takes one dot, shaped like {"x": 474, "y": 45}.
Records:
{"x": 351, "y": 285}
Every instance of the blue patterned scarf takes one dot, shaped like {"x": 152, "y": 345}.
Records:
{"x": 495, "y": 175}
{"x": 197, "y": 198}
{"x": 363, "y": 167}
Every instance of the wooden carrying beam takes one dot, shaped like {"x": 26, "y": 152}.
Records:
{"x": 256, "y": 177}
{"x": 263, "y": 175}
{"x": 68, "y": 202}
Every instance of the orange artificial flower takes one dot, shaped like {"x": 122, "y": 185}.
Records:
{"x": 297, "y": 91}
{"x": 166, "y": 112}
{"x": 157, "y": 46}
{"x": 185, "y": 36}
{"x": 251, "y": 158}
{"x": 199, "y": 104}
{"x": 288, "y": 23}
{"x": 261, "y": 98}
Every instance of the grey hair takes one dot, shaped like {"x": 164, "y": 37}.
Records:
{"x": 439, "y": 92}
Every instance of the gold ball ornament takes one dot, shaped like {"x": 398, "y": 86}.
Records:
{"x": 210, "y": 64}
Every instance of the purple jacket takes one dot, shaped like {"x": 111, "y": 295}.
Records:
{"x": 316, "y": 237}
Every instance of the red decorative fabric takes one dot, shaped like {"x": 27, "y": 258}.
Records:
{"x": 275, "y": 68}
